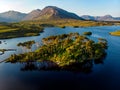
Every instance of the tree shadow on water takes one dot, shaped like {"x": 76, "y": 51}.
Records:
{"x": 101, "y": 60}
{"x": 45, "y": 65}
{"x": 36, "y": 66}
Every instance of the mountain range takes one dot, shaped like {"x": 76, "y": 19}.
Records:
{"x": 11, "y": 16}
{"x": 32, "y": 15}
{"x": 101, "y": 18}
{"x": 50, "y": 12}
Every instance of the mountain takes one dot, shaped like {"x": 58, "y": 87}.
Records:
{"x": 101, "y": 18}
{"x": 11, "y": 16}
{"x": 53, "y": 12}
{"x": 105, "y": 18}
{"x": 117, "y": 18}
{"x": 3, "y": 19}
{"x": 50, "y": 12}
{"x": 32, "y": 15}
{"x": 88, "y": 17}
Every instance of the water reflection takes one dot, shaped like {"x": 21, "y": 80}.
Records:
{"x": 101, "y": 60}
{"x": 44, "y": 65}
{"x": 2, "y": 51}
{"x": 101, "y": 77}
{"x": 85, "y": 67}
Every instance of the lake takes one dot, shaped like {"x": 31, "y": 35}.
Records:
{"x": 104, "y": 75}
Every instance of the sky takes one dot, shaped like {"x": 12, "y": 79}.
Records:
{"x": 80, "y": 7}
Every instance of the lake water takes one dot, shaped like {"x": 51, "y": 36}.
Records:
{"x": 102, "y": 76}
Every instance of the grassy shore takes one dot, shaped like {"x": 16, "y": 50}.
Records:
{"x": 68, "y": 22}
{"x": 33, "y": 28}
{"x": 9, "y": 31}
{"x": 116, "y": 33}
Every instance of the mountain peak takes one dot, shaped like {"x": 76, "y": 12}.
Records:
{"x": 11, "y": 16}
{"x": 51, "y": 7}
{"x": 101, "y": 18}
{"x": 49, "y": 12}
{"x": 35, "y": 11}
{"x": 38, "y": 10}
{"x": 12, "y": 11}
{"x": 88, "y": 17}
{"x": 108, "y": 16}
{"x": 33, "y": 14}
{"x": 53, "y": 12}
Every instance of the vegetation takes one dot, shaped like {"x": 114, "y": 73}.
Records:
{"x": 65, "y": 50}
{"x": 2, "y": 51}
{"x": 76, "y": 26}
{"x": 63, "y": 27}
{"x": 116, "y": 33}
{"x": 87, "y": 33}
{"x": 27, "y": 44}
{"x": 33, "y": 28}
{"x": 12, "y": 31}
{"x": 67, "y": 22}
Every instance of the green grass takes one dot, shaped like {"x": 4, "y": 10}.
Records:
{"x": 13, "y": 31}
{"x": 7, "y": 30}
{"x": 67, "y": 22}
{"x": 4, "y": 28}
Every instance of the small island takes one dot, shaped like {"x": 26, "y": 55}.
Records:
{"x": 2, "y": 51}
{"x": 27, "y": 44}
{"x": 64, "y": 50}
{"x": 115, "y": 33}
{"x": 87, "y": 33}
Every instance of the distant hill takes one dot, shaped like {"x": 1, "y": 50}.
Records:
{"x": 32, "y": 15}
{"x": 101, "y": 18}
{"x": 11, "y": 16}
{"x": 117, "y": 18}
{"x": 53, "y": 12}
{"x": 105, "y": 18}
{"x": 88, "y": 17}
{"x": 3, "y": 19}
{"x": 50, "y": 13}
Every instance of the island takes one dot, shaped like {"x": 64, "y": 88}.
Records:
{"x": 64, "y": 50}
{"x": 2, "y": 51}
{"x": 27, "y": 44}
{"x": 115, "y": 33}
{"x": 87, "y": 33}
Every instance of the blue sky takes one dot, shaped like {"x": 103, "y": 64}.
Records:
{"x": 80, "y": 7}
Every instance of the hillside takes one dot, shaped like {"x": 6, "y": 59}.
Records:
{"x": 50, "y": 13}
{"x": 32, "y": 15}
{"x": 101, "y": 18}
{"x": 11, "y": 16}
{"x": 53, "y": 12}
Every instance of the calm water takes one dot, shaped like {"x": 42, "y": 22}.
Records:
{"x": 102, "y": 76}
